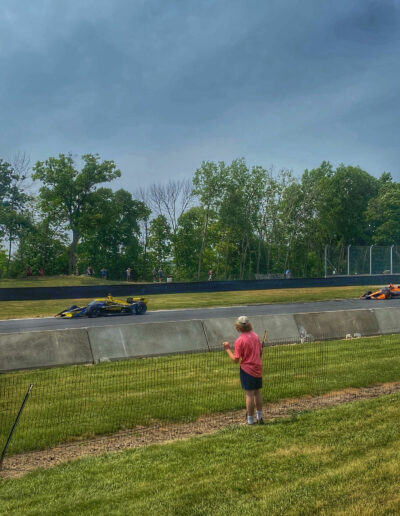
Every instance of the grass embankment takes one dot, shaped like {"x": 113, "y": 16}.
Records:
{"x": 80, "y": 401}
{"x": 57, "y": 281}
{"x": 21, "y": 309}
{"x": 342, "y": 460}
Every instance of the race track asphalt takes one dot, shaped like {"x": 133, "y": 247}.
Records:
{"x": 52, "y": 323}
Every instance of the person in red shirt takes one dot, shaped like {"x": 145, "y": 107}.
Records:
{"x": 248, "y": 350}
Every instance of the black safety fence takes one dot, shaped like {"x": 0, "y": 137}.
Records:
{"x": 78, "y": 402}
{"x": 145, "y": 289}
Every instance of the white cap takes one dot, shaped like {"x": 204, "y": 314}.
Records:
{"x": 243, "y": 319}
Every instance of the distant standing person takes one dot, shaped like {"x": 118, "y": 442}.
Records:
{"x": 104, "y": 273}
{"x": 90, "y": 271}
{"x": 154, "y": 275}
{"x": 41, "y": 272}
{"x": 160, "y": 274}
{"x": 248, "y": 350}
{"x": 128, "y": 273}
{"x": 210, "y": 274}
{"x": 28, "y": 271}
{"x": 288, "y": 274}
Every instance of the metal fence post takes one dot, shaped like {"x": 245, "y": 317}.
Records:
{"x": 391, "y": 259}
{"x": 370, "y": 259}
{"x": 348, "y": 260}
{"x": 14, "y": 426}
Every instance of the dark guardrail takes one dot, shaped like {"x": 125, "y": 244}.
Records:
{"x": 74, "y": 292}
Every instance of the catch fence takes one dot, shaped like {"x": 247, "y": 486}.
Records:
{"x": 361, "y": 260}
{"x": 78, "y": 402}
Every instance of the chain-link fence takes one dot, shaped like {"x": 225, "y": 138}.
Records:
{"x": 80, "y": 401}
{"x": 362, "y": 260}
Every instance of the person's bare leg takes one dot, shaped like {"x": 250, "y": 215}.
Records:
{"x": 250, "y": 403}
{"x": 258, "y": 400}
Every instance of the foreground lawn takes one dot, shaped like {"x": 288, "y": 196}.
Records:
{"x": 21, "y": 309}
{"x": 343, "y": 460}
{"x": 79, "y": 401}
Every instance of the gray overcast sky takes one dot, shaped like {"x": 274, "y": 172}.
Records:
{"x": 159, "y": 86}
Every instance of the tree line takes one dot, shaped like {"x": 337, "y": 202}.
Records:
{"x": 61, "y": 216}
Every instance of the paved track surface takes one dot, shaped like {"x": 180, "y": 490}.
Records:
{"x": 52, "y": 323}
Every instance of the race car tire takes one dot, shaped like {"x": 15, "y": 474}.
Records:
{"x": 93, "y": 311}
{"x": 140, "y": 308}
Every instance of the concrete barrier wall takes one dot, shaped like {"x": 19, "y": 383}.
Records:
{"x": 102, "y": 343}
{"x": 279, "y": 327}
{"x": 325, "y": 325}
{"x": 388, "y": 320}
{"x": 33, "y": 350}
{"x": 137, "y": 340}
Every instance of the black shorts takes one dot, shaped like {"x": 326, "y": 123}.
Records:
{"x": 249, "y": 382}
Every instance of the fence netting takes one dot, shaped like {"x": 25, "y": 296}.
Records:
{"x": 362, "y": 260}
{"x": 78, "y": 402}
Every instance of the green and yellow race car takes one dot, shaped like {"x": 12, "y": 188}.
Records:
{"x": 107, "y": 306}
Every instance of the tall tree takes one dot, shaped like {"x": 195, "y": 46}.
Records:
{"x": 188, "y": 242}
{"x": 66, "y": 193}
{"x": 239, "y": 212}
{"x": 111, "y": 236}
{"x": 383, "y": 214}
{"x": 171, "y": 199}
{"x": 209, "y": 182}
{"x": 160, "y": 240}
{"x": 14, "y": 215}
{"x": 351, "y": 188}
{"x": 42, "y": 246}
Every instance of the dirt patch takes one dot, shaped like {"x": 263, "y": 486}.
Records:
{"x": 19, "y": 465}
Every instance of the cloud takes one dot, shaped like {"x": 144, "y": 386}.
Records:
{"x": 160, "y": 82}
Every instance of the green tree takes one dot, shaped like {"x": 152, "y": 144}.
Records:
{"x": 384, "y": 214}
{"x": 188, "y": 241}
{"x": 42, "y": 246}
{"x": 14, "y": 215}
{"x": 111, "y": 236}
{"x": 351, "y": 189}
{"x": 239, "y": 216}
{"x": 67, "y": 193}
{"x": 209, "y": 182}
{"x": 160, "y": 240}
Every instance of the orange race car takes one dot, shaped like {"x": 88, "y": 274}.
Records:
{"x": 384, "y": 293}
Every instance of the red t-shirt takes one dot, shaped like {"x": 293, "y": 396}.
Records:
{"x": 248, "y": 348}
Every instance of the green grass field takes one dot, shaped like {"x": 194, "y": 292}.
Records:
{"x": 21, "y": 309}
{"x": 79, "y": 401}
{"x": 342, "y": 460}
{"x": 56, "y": 281}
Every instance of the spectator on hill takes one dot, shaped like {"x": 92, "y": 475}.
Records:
{"x": 210, "y": 274}
{"x": 128, "y": 274}
{"x": 160, "y": 274}
{"x": 104, "y": 273}
{"x": 90, "y": 271}
{"x": 248, "y": 350}
{"x": 41, "y": 272}
{"x": 288, "y": 274}
{"x": 28, "y": 271}
{"x": 154, "y": 275}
